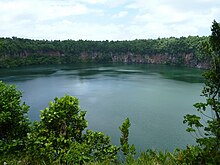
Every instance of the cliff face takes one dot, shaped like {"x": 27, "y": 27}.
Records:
{"x": 180, "y": 59}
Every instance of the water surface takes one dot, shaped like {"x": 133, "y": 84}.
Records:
{"x": 154, "y": 97}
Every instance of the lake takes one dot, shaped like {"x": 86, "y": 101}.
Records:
{"x": 154, "y": 97}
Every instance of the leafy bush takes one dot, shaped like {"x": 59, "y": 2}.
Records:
{"x": 128, "y": 151}
{"x": 93, "y": 148}
{"x": 14, "y": 123}
{"x": 59, "y": 135}
{"x": 207, "y": 127}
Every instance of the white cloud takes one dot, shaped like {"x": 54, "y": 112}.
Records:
{"x": 108, "y": 3}
{"x": 174, "y": 18}
{"x": 121, "y": 14}
{"x": 99, "y": 19}
{"x": 94, "y": 1}
{"x": 115, "y": 3}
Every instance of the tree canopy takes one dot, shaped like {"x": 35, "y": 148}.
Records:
{"x": 14, "y": 123}
{"x": 207, "y": 127}
{"x": 19, "y": 51}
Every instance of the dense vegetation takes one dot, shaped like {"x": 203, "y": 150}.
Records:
{"x": 60, "y": 136}
{"x": 18, "y": 51}
{"x": 207, "y": 126}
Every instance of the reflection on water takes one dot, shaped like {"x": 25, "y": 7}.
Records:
{"x": 190, "y": 75}
{"x": 154, "y": 97}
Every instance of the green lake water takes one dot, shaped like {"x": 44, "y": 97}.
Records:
{"x": 154, "y": 97}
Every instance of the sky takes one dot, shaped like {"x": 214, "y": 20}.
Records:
{"x": 106, "y": 19}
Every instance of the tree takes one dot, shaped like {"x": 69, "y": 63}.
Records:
{"x": 128, "y": 151}
{"x": 61, "y": 124}
{"x": 207, "y": 127}
{"x": 14, "y": 123}
{"x": 59, "y": 135}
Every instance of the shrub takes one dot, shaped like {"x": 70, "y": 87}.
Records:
{"x": 14, "y": 123}
{"x": 59, "y": 135}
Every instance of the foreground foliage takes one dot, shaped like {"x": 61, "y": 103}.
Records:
{"x": 59, "y": 135}
{"x": 14, "y": 123}
{"x": 207, "y": 127}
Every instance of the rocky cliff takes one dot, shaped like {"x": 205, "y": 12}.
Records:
{"x": 178, "y": 59}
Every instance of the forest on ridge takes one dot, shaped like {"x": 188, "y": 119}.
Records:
{"x": 185, "y": 51}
